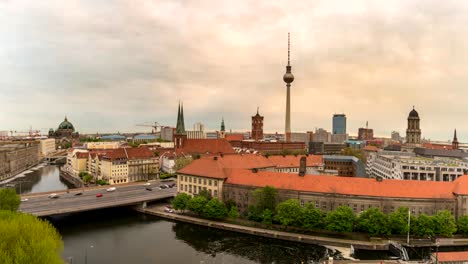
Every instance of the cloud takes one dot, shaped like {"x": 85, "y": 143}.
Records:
{"x": 109, "y": 66}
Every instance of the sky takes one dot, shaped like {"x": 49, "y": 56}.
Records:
{"x": 109, "y": 65}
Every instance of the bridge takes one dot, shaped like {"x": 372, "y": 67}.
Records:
{"x": 57, "y": 157}
{"x": 40, "y": 205}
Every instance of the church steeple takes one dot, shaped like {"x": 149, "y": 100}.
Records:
{"x": 223, "y": 128}
{"x": 180, "y": 128}
{"x": 455, "y": 140}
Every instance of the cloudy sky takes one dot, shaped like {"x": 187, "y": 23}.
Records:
{"x": 109, "y": 65}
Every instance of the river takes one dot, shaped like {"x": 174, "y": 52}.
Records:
{"x": 124, "y": 236}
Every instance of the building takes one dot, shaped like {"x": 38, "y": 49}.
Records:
{"x": 321, "y": 135}
{"x": 288, "y": 78}
{"x": 114, "y": 138}
{"x": 180, "y": 135}
{"x": 18, "y": 156}
{"x": 321, "y": 148}
{"x": 365, "y": 133}
{"x": 344, "y": 166}
{"x": 116, "y": 166}
{"x": 199, "y": 127}
{"x": 300, "y": 137}
{"x": 47, "y": 146}
{"x": 102, "y": 145}
{"x": 454, "y": 257}
{"x": 396, "y": 136}
{"x": 144, "y": 138}
{"x": 257, "y": 127}
{"x": 339, "y": 124}
{"x": 195, "y": 134}
{"x": 407, "y": 166}
{"x": 436, "y": 152}
{"x": 265, "y": 147}
{"x": 413, "y": 132}
{"x": 338, "y": 138}
{"x": 323, "y": 191}
{"x": 167, "y": 133}
{"x": 222, "y": 131}
{"x": 65, "y": 131}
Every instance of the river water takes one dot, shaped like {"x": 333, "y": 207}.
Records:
{"x": 124, "y": 236}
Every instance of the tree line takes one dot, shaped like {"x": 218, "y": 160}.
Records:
{"x": 267, "y": 210}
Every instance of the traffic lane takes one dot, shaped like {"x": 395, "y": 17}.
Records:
{"x": 109, "y": 197}
{"x": 87, "y": 197}
{"x": 100, "y": 203}
{"x": 87, "y": 192}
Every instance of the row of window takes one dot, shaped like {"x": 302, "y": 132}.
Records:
{"x": 203, "y": 181}
{"x": 197, "y": 189}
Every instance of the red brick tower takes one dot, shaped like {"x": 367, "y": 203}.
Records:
{"x": 257, "y": 127}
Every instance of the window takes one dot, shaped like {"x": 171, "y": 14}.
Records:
{"x": 204, "y": 181}
{"x": 215, "y": 193}
{"x": 302, "y": 203}
{"x": 199, "y": 180}
{"x": 190, "y": 188}
{"x": 209, "y": 182}
{"x": 317, "y": 204}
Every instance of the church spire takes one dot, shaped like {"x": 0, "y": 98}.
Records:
{"x": 180, "y": 128}
{"x": 455, "y": 140}
{"x": 223, "y": 128}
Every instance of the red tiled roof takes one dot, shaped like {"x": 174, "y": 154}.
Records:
{"x": 207, "y": 167}
{"x": 371, "y": 148}
{"x": 436, "y": 146}
{"x": 452, "y": 256}
{"x": 128, "y": 153}
{"x": 206, "y": 146}
{"x": 82, "y": 155}
{"x": 232, "y": 137}
{"x": 343, "y": 185}
{"x": 293, "y": 161}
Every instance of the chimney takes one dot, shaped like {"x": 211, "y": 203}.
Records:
{"x": 254, "y": 170}
{"x": 215, "y": 158}
{"x": 379, "y": 179}
{"x": 302, "y": 166}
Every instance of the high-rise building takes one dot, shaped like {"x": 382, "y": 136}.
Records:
{"x": 288, "y": 78}
{"x": 321, "y": 135}
{"x": 396, "y": 136}
{"x": 339, "y": 124}
{"x": 413, "y": 132}
{"x": 199, "y": 127}
{"x": 257, "y": 127}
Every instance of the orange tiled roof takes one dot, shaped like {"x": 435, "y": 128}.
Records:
{"x": 206, "y": 146}
{"x": 293, "y": 161}
{"x": 207, "y": 167}
{"x": 128, "y": 153}
{"x": 343, "y": 185}
{"x": 233, "y": 137}
{"x": 371, "y": 148}
{"x": 453, "y": 256}
{"x": 436, "y": 146}
{"x": 82, "y": 155}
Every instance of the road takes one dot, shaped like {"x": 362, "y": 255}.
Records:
{"x": 40, "y": 205}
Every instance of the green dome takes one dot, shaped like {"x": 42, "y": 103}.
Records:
{"x": 66, "y": 125}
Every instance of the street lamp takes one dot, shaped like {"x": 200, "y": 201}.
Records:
{"x": 86, "y": 253}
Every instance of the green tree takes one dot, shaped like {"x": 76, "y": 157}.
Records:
{"x": 444, "y": 223}
{"x": 82, "y": 174}
{"x": 267, "y": 217}
{"x": 206, "y": 194}
{"x": 87, "y": 178}
{"x": 373, "y": 221}
{"x": 398, "y": 221}
{"x": 463, "y": 225}
{"x": 312, "y": 217}
{"x": 340, "y": 220}
{"x": 233, "y": 212}
{"x": 181, "y": 201}
{"x": 289, "y": 212}
{"x": 27, "y": 239}
{"x": 9, "y": 200}
{"x": 422, "y": 226}
{"x": 215, "y": 209}
{"x": 254, "y": 213}
{"x": 265, "y": 198}
{"x": 197, "y": 204}
{"x": 358, "y": 153}
{"x": 182, "y": 162}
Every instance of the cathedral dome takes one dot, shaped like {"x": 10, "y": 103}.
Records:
{"x": 413, "y": 113}
{"x": 66, "y": 125}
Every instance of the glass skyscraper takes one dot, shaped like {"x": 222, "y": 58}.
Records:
{"x": 339, "y": 124}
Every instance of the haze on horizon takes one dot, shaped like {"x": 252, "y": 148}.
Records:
{"x": 109, "y": 66}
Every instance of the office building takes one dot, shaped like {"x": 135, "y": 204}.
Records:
{"x": 339, "y": 124}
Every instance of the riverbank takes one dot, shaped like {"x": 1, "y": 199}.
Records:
{"x": 343, "y": 245}
{"x": 23, "y": 173}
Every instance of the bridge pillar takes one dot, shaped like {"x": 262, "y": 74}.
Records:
{"x": 143, "y": 205}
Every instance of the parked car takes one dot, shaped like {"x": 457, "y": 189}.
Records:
{"x": 172, "y": 185}
{"x": 147, "y": 184}
{"x": 53, "y": 196}
{"x": 98, "y": 194}
{"x": 168, "y": 210}
{"x": 163, "y": 187}
{"x": 149, "y": 188}
{"x": 78, "y": 193}
{"x": 111, "y": 189}
{"x": 24, "y": 199}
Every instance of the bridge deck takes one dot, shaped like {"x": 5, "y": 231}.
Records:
{"x": 40, "y": 205}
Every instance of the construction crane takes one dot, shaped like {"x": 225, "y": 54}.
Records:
{"x": 154, "y": 125}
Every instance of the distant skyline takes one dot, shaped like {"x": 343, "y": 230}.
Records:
{"x": 111, "y": 65}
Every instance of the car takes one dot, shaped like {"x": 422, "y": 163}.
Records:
{"x": 53, "y": 196}
{"x": 147, "y": 184}
{"x": 172, "y": 185}
{"x": 159, "y": 188}
{"x": 163, "y": 187}
{"x": 24, "y": 199}
{"x": 168, "y": 210}
{"x": 111, "y": 189}
{"x": 98, "y": 194}
{"x": 167, "y": 186}
{"x": 149, "y": 188}
{"x": 78, "y": 193}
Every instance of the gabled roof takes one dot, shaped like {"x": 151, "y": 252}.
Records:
{"x": 343, "y": 185}
{"x": 206, "y": 167}
{"x": 206, "y": 146}
{"x": 128, "y": 153}
{"x": 294, "y": 161}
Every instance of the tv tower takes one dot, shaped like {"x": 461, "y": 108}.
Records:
{"x": 288, "y": 78}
